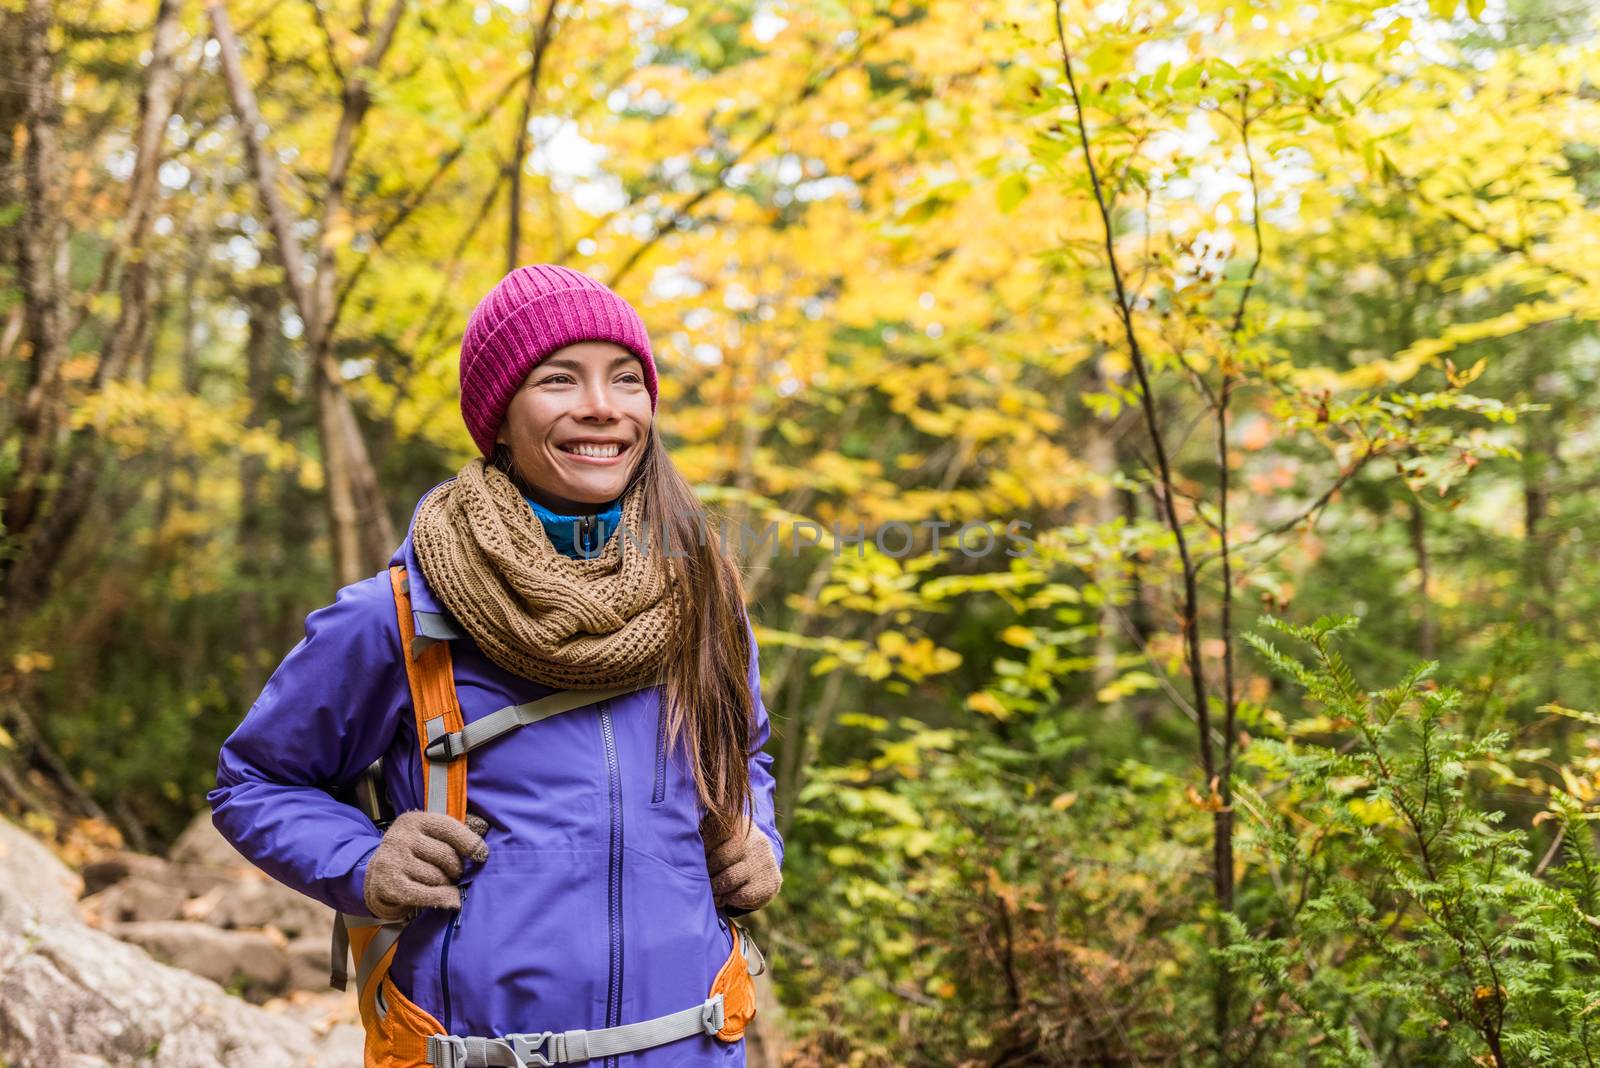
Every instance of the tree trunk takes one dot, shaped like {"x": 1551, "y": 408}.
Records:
{"x": 1427, "y": 640}
{"x": 361, "y": 531}
{"x": 519, "y": 147}
{"x": 1100, "y": 457}
{"x": 57, "y": 471}
{"x": 155, "y": 109}
{"x": 41, "y": 236}
{"x": 1541, "y": 474}
{"x": 253, "y": 501}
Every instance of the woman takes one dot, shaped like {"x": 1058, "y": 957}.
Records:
{"x": 582, "y": 891}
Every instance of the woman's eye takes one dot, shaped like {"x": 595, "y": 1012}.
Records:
{"x": 557, "y": 378}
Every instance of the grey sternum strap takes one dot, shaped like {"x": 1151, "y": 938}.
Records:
{"x": 570, "y": 1047}
{"x": 443, "y": 748}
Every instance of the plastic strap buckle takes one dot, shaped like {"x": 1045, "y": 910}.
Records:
{"x": 446, "y": 747}
{"x": 526, "y": 1048}
{"x": 447, "y": 1051}
{"x": 711, "y": 1018}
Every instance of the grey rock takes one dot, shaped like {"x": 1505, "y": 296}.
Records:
{"x": 202, "y": 843}
{"x": 309, "y": 961}
{"x": 114, "y": 868}
{"x": 104, "y": 872}
{"x": 75, "y": 997}
{"x": 256, "y": 901}
{"x": 33, "y": 883}
{"x": 252, "y": 960}
{"x": 136, "y": 898}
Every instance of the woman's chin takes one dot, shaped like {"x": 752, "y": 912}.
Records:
{"x": 592, "y": 490}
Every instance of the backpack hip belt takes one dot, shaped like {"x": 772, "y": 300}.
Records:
{"x": 401, "y": 1033}
{"x": 570, "y": 1047}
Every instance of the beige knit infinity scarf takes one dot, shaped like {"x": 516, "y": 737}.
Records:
{"x": 560, "y": 621}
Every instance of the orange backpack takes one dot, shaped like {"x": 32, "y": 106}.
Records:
{"x": 400, "y": 1034}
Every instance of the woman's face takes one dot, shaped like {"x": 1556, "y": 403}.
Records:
{"x": 578, "y": 426}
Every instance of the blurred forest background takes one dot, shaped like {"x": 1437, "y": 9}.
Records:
{"x": 1275, "y": 321}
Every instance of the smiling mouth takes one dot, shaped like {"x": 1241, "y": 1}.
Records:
{"x": 593, "y": 450}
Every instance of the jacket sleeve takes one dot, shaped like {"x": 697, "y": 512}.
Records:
{"x": 763, "y": 786}
{"x": 329, "y": 710}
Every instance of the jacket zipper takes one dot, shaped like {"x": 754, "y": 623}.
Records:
{"x": 660, "y": 790}
{"x": 614, "y": 875}
{"x": 585, "y": 534}
{"x": 444, "y": 957}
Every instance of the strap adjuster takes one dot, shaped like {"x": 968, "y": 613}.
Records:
{"x": 711, "y": 1015}
{"x": 446, "y": 747}
{"x": 447, "y": 1051}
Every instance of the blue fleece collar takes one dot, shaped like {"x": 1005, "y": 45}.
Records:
{"x": 563, "y": 529}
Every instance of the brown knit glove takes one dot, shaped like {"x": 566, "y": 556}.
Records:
{"x": 418, "y": 862}
{"x": 744, "y": 869}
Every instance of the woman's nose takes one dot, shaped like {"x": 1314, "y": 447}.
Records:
{"x": 596, "y": 402}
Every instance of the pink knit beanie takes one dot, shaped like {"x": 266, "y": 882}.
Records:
{"x": 530, "y": 313}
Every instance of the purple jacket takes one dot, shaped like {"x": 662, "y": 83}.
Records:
{"x": 594, "y": 908}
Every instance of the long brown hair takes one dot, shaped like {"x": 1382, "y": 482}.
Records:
{"x": 707, "y": 669}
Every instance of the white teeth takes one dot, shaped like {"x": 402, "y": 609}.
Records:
{"x": 601, "y": 452}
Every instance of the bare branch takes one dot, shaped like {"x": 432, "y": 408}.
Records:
{"x": 327, "y": 40}
{"x": 540, "y": 45}
{"x": 1315, "y": 506}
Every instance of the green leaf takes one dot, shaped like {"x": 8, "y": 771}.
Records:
{"x": 1012, "y": 190}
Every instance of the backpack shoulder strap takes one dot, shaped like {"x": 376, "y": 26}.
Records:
{"x": 432, "y": 683}
{"x": 433, "y": 700}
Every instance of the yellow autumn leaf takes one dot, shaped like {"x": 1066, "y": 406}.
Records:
{"x": 987, "y": 703}
{"x": 1021, "y": 637}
